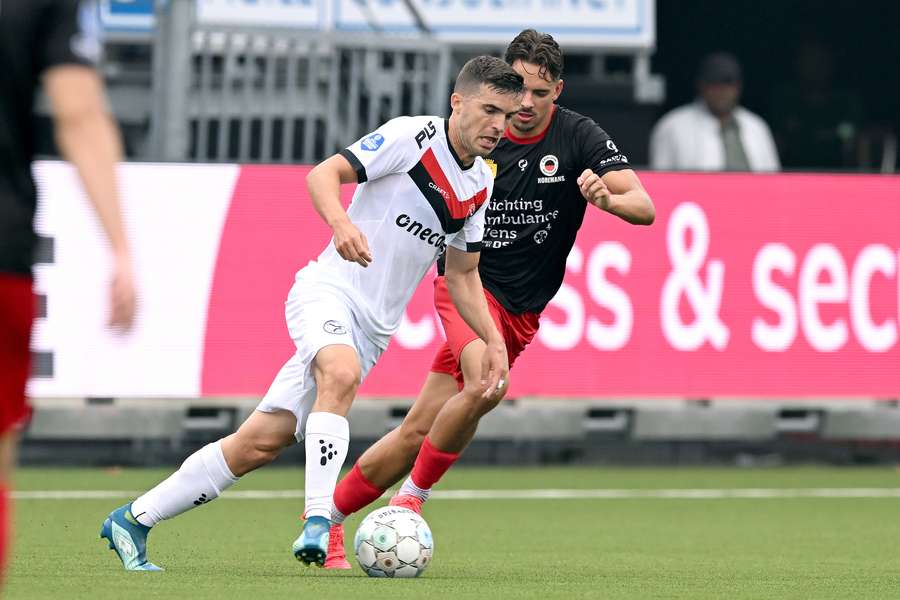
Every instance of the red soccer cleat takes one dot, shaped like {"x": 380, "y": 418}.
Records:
{"x": 337, "y": 556}
{"x": 413, "y": 503}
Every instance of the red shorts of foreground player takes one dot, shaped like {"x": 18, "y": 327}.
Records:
{"x": 517, "y": 330}
{"x": 16, "y": 313}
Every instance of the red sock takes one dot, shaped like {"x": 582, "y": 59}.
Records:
{"x": 431, "y": 464}
{"x": 4, "y": 528}
{"x": 354, "y": 492}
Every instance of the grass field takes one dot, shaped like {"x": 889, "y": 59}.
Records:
{"x": 642, "y": 544}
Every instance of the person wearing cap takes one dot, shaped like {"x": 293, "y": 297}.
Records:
{"x": 714, "y": 133}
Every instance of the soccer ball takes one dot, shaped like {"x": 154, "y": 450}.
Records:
{"x": 393, "y": 542}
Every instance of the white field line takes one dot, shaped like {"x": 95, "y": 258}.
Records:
{"x": 539, "y": 494}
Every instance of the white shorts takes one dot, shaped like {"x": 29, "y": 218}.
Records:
{"x": 317, "y": 316}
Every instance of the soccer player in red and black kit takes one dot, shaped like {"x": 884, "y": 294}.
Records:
{"x": 41, "y": 42}
{"x": 550, "y": 165}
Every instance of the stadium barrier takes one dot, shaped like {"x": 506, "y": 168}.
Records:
{"x": 228, "y": 91}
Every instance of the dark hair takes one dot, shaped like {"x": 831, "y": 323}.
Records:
{"x": 539, "y": 49}
{"x": 491, "y": 71}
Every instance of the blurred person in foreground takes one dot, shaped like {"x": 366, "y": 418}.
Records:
{"x": 423, "y": 191}
{"x": 550, "y": 166}
{"x": 42, "y": 43}
{"x": 714, "y": 133}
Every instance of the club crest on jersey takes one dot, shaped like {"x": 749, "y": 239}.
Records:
{"x": 492, "y": 165}
{"x": 549, "y": 166}
{"x": 373, "y": 142}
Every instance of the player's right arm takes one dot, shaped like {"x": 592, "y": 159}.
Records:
{"x": 324, "y": 185}
{"x": 388, "y": 150}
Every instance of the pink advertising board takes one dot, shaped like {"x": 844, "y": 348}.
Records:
{"x": 746, "y": 285}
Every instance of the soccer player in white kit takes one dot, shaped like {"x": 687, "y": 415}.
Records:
{"x": 423, "y": 189}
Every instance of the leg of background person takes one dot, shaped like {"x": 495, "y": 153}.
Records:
{"x": 8, "y": 444}
{"x": 390, "y": 458}
{"x": 16, "y": 315}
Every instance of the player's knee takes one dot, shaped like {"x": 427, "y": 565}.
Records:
{"x": 261, "y": 450}
{"x": 475, "y": 402}
{"x": 412, "y": 435}
{"x": 339, "y": 380}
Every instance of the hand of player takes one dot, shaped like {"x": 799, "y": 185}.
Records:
{"x": 494, "y": 370}
{"x": 123, "y": 298}
{"x": 593, "y": 189}
{"x": 351, "y": 244}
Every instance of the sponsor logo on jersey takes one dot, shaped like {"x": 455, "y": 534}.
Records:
{"x": 334, "y": 327}
{"x": 439, "y": 190}
{"x": 429, "y": 177}
{"x": 373, "y": 142}
{"x": 523, "y": 164}
{"x": 426, "y": 234}
{"x": 618, "y": 158}
{"x": 611, "y": 145}
{"x": 540, "y": 236}
{"x": 492, "y": 165}
{"x": 549, "y": 165}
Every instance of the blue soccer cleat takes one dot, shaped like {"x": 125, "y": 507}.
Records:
{"x": 128, "y": 538}
{"x": 311, "y": 548}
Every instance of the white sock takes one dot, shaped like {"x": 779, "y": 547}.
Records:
{"x": 410, "y": 489}
{"x": 202, "y": 477}
{"x": 337, "y": 517}
{"x": 326, "y": 439}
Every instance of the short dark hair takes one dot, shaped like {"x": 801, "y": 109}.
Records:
{"x": 491, "y": 71}
{"x": 539, "y": 49}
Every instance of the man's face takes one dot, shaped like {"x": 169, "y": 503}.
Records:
{"x": 537, "y": 102}
{"x": 482, "y": 117}
{"x": 721, "y": 98}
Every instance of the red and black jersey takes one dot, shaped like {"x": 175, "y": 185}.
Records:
{"x": 536, "y": 208}
{"x": 34, "y": 36}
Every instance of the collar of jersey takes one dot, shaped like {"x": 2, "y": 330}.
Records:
{"x": 534, "y": 138}
{"x": 452, "y": 151}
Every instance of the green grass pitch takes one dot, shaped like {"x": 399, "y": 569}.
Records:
{"x": 489, "y": 548}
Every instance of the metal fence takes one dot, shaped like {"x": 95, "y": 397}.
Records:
{"x": 279, "y": 95}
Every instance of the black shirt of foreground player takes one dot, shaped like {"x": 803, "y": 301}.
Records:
{"x": 537, "y": 208}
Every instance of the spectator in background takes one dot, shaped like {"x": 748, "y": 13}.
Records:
{"x": 816, "y": 125}
{"x": 714, "y": 133}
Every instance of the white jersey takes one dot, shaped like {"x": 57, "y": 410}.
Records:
{"x": 414, "y": 199}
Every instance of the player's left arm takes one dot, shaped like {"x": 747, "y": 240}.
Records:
{"x": 464, "y": 284}
{"x": 619, "y": 193}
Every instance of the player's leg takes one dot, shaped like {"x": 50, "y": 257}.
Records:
{"x": 202, "y": 477}
{"x": 338, "y": 374}
{"x": 209, "y": 471}
{"x": 8, "y": 444}
{"x": 456, "y": 423}
{"x": 385, "y": 463}
{"x": 453, "y": 429}
{"x": 16, "y": 312}
{"x": 391, "y": 457}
